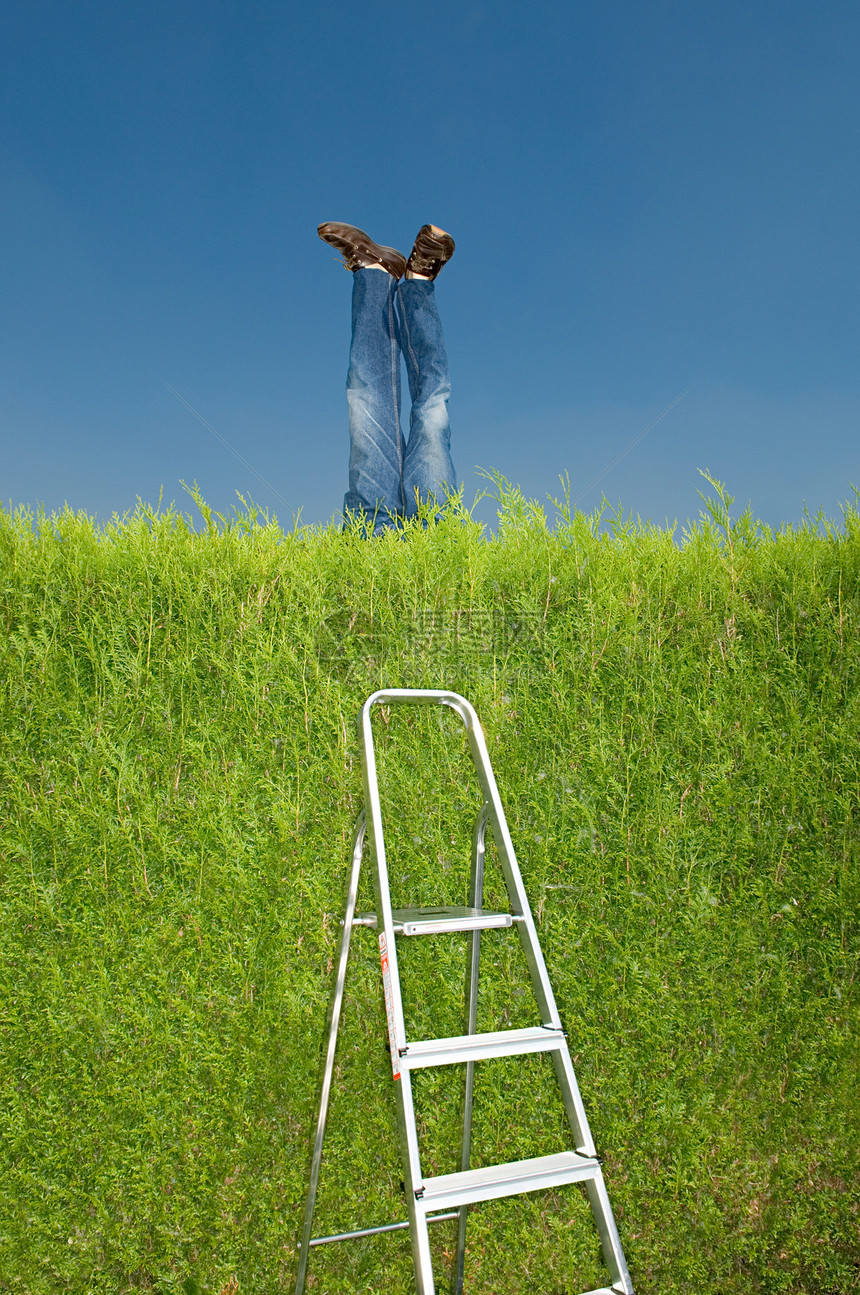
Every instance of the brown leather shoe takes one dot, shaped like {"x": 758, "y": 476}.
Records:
{"x": 359, "y": 250}
{"x": 433, "y": 249}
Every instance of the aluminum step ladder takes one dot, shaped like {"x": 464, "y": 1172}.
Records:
{"x": 448, "y": 1196}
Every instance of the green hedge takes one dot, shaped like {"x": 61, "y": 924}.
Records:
{"x": 674, "y": 727}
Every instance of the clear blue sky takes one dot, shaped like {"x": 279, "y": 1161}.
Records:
{"x": 642, "y": 195}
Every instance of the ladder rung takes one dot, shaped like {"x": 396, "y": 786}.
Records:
{"x": 437, "y": 921}
{"x": 387, "y": 1227}
{"x": 473, "y": 1047}
{"x": 450, "y": 1190}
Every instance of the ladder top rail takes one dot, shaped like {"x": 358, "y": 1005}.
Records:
{"x": 441, "y": 696}
{"x": 428, "y": 696}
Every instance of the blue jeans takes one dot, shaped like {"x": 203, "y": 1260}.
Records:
{"x": 387, "y": 475}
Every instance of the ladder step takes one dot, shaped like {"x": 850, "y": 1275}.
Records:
{"x": 448, "y": 1191}
{"x": 437, "y": 921}
{"x": 474, "y": 1047}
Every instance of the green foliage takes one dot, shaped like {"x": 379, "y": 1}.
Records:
{"x": 674, "y": 728}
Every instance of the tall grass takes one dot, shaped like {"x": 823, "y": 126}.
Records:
{"x": 674, "y": 726}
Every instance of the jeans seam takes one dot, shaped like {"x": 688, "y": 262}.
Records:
{"x": 395, "y": 364}
{"x": 409, "y": 352}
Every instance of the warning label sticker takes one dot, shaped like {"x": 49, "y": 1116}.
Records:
{"x": 389, "y": 1007}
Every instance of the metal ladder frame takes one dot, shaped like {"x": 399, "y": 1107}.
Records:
{"x": 448, "y": 1196}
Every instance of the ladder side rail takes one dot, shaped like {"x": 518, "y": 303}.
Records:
{"x": 337, "y": 1003}
{"x": 476, "y": 895}
{"x": 418, "y": 1234}
{"x": 406, "y": 1123}
{"x": 610, "y": 1242}
{"x": 573, "y": 1104}
{"x": 384, "y": 917}
{"x": 595, "y": 1187}
{"x": 572, "y": 1098}
{"x": 513, "y": 878}
{"x": 476, "y": 900}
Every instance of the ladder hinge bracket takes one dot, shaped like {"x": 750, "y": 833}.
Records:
{"x": 419, "y": 1192}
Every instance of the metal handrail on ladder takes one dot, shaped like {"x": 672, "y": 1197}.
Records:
{"x": 448, "y": 1196}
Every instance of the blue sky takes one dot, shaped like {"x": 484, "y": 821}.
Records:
{"x": 643, "y": 196}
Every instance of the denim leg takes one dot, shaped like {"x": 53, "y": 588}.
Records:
{"x": 376, "y": 449}
{"x": 427, "y": 468}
